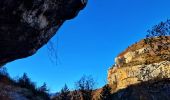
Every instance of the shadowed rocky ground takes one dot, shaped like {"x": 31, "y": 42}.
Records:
{"x": 151, "y": 90}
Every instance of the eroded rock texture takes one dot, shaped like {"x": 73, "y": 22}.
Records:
{"x": 26, "y": 25}
{"x": 141, "y": 62}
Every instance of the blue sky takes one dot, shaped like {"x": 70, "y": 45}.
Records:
{"x": 89, "y": 43}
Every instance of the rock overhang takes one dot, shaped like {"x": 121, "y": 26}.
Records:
{"x": 26, "y": 25}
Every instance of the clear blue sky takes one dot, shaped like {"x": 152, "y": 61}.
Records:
{"x": 89, "y": 43}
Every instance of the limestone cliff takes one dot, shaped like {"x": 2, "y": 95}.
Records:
{"x": 142, "y": 62}
{"x": 26, "y": 25}
{"x": 141, "y": 72}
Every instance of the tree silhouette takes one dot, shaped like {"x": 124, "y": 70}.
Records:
{"x": 3, "y": 71}
{"x": 161, "y": 33}
{"x": 65, "y": 93}
{"x": 4, "y": 76}
{"x": 162, "y": 29}
{"x": 85, "y": 85}
{"x": 43, "y": 92}
{"x": 25, "y": 82}
{"x": 44, "y": 88}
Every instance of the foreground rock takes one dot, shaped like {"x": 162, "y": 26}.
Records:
{"x": 26, "y": 25}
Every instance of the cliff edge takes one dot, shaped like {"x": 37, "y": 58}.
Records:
{"x": 142, "y": 71}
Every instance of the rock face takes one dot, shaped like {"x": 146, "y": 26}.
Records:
{"x": 142, "y": 62}
{"x": 26, "y": 25}
{"x": 152, "y": 90}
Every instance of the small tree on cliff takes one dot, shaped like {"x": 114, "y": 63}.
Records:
{"x": 106, "y": 93}
{"x": 161, "y": 31}
{"x": 158, "y": 39}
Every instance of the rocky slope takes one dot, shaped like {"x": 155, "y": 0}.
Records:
{"x": 11, "y": 92}
{"x": 142, "y": 71}
{"x": 26, "y": 25}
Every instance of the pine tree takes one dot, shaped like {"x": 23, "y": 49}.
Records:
{"x": 43, "y": 92}
{"x": 25, "y": 82}
{"x": 44, "y": 88}
{"x": 65, "y": 93}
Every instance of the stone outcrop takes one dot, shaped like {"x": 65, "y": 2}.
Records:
{"x": 26, "y": 25}
{"x": 141, "y": 62}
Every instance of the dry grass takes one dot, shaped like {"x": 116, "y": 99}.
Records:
{"x": 142, "y": 44}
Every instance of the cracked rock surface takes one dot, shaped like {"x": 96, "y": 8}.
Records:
{"x": 26, "y": 25}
